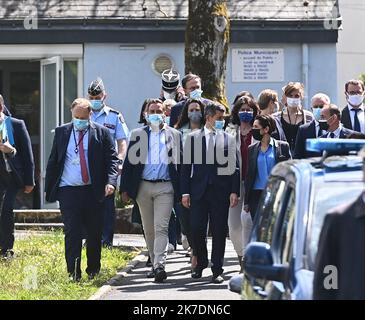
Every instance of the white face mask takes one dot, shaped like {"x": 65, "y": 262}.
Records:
{"x": 293, "y": 102}
{"x": 355, "y": 100}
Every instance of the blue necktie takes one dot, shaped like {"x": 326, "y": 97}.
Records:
{"x": 356, "y": 120}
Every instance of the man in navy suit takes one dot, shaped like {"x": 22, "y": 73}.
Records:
{"x": 192, "y": 85}
{"x": 16, "y": 172}
{"x": 310, "y": 130}
{"x": 150, "y": 176}
{"x": 81, "y": 173}
{"x": 210, "y": 184}
{"x": 330, "y": 122}
{"x": 353, "y": 115}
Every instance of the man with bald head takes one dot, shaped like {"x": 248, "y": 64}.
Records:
{"x": 330, "y": 122}
{"x": 81, "y": 173}
{"x": 310, "y": 130}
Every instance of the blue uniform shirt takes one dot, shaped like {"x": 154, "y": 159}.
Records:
{"x": 265, "y": 163}
{"x": 71, "y": 175}
{"x": 113, "y": 120}
{"x": 156, "y": 166}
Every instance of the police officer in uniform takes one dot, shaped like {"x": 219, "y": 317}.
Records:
{"x": 171, "y": 88}
{"x": 114, "y": 121}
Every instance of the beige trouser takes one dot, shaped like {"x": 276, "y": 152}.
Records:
{"x": 240, "y": 226}
{"x": 155, "y": 201}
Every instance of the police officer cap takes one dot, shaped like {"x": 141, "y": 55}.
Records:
{"x": 96, "y": 87}
{"x": 170, "y": 80}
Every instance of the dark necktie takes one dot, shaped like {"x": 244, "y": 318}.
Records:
{"x": 210, "y": 150}
{"x": 332, "y": 135}
{"x": 84, "y": 174}
{"x": 356, "y": 120}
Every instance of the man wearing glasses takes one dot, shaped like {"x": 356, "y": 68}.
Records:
{"x": 353, "y": 115}
{"x": 310, "y": 130}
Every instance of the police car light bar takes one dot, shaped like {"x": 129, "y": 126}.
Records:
{"x": 334, "y": 145}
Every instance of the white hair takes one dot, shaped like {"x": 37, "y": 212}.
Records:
{"x": 322, "y": 96}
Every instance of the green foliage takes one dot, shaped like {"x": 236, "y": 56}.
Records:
{"x": 42, "y": 258}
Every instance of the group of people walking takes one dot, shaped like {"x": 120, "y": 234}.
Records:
{"x": 192, "y": 157}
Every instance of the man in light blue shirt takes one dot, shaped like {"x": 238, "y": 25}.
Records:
{"x": 113, "y": 120}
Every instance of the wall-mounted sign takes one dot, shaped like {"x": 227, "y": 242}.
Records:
{"x": 258, "y": 65}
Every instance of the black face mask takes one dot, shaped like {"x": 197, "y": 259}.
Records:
{"x": 256, "y": 134}
{"x": 323, "y": 125}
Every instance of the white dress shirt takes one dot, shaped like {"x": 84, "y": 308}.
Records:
{"x": 336, "y": 132}
{"x": 360, "y": 115}
{"x": 207, "y": 133}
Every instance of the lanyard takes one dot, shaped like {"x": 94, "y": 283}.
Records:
{"x": 80, "y": 139}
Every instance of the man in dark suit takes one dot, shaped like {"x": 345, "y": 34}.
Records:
{"x": 192, "y": 85}
{"x": 340, "y": 247}
{"x": 16, "y": 172}
{"x": 81, "y": 172}
{"x": 310, "y": 130}
{"x": 210, "y": 184}
{"x": 353, "y": 115}
{"x": 150, "y": 176}
{"x": 330, "y": 122}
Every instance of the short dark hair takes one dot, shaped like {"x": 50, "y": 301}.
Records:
{"x": 267, "y": 121}
{"x": 188, "y": 77}
{"x": 212, "y": 108}
{"x": 235, "y": 119}
{"x": 354, "y": 82}
{"x": 333, "y": 109}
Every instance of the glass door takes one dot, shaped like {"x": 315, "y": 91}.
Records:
{"x": 51, "y": 115}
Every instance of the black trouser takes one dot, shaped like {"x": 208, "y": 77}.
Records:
{"x": 80, "y": 210}
{"x": 184, "y": 217}
{"x": 7, "y": 200}
{"x": 254, "y": 202}
{"x": 213, "y": 206}
{"x": 109, "y": 220}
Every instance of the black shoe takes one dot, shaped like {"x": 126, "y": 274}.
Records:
{"x": 150, "y": 274}
{"x": 217, "y": 279}
{"x": 92, "y": 275}
{"x": 149, "y": 263}
{"x": 7, "y": 254}
{"x": 160, "y": 274}
{"x": 196, "y": 273}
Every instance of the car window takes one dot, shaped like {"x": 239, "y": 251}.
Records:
{"x": 326, "y": 196}
{"x": 268, "y": 209}
{"x": 287, "y": 229}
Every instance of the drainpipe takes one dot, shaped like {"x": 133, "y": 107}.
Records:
{"x": 305, "y": 73}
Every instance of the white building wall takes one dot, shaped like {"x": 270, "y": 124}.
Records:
{"x": 351, "y": 47}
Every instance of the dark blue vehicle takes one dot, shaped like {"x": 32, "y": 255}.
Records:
{"x": 279, "y": 261}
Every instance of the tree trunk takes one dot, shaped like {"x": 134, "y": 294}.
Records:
{"x": 206, "y": 46}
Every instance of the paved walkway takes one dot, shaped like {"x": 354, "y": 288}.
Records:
{"x": 179, "y": 284}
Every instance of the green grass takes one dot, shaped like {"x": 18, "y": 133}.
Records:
{"x": 38, "y": 271}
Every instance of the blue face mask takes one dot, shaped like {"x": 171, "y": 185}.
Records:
{"x": 80, "y": 124}
{"x": 96, "y": 104}
{"x": 245, "y": 116}
{"x": 317, "y": 113}
{"x": 167, "y": 120}
{"x": 219, "y": 124}
{"x": 196, "y": 94}
{"x": 155, "y": 119}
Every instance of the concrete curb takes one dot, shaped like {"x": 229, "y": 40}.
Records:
{"x": 105, "y": 289}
